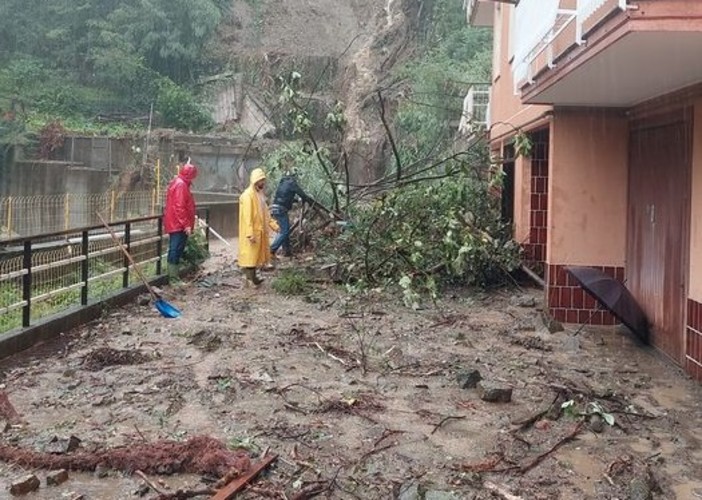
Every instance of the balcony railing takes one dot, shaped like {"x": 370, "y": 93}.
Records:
{"x": 534, "y": 22}
{"x": 538, "y": 23}
{"x": 586, "y": 9}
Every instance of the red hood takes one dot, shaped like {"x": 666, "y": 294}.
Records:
{"x": 188, "y": 172}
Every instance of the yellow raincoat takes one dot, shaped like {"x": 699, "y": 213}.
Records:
{"x": 254, "y": 220}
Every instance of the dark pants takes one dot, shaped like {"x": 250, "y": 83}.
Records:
{"x": 176, "y": 246}
{"x": 283, "y": 238}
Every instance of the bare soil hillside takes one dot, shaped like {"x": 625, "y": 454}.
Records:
{"x": 298, "y": 27}
{"x": 357, "y": 43}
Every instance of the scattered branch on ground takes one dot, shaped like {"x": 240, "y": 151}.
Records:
{"x": 148, "y": 482}
{"x": 446, "y": 419}
{"x": 317, "y": 488}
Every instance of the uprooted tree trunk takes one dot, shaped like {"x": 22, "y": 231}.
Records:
{"x": 198, "y": 455}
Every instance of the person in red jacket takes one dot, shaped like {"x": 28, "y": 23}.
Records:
{"x": 179, "y": 216}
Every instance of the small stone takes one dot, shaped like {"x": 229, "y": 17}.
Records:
{"x": 74, "y": 385}
{"x": 57, "y": 477}
{"x": 639, "y": 489}
{"x": 551, "y": 324}
{"x": 60, "y": 446}
{"x": 596, "y": 424}
{"x": 493, "y": 393}
{"x": 409, "y": 491}
{"x": 25, "y": 485}
{"x": 142, "y": 491}
{"x": 126, "y": 331}
{"x": 101, "y": 471}
{"x": 468, "y": 379}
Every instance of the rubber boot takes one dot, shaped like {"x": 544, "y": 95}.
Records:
{"x": 174, "y": 274}
{"x": 250, "y": 273}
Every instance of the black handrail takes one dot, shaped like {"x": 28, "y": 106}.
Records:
{"x": 85, "y": 253}
{"x": 22, "y": 239}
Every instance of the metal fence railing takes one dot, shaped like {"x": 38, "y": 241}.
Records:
{"x": 22, "y": 216}
{"x": 47, "y": 274}
{"x": 43, "y": 275}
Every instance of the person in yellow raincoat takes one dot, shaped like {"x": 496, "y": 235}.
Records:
{"x": 255, "y": 224}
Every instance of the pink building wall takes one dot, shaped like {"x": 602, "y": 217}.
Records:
{"x": 588, "y": 188}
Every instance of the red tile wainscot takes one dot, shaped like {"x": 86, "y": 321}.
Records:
{"x": 693, "y": 348}
{"x": 568, "y": 303}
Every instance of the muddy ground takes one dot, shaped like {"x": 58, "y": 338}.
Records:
{"x": 360, "y": 396}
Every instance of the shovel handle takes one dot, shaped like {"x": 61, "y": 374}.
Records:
{"x": 129, "y": 257}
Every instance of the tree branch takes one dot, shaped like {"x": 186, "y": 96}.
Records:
{"x": 388, "y": 132}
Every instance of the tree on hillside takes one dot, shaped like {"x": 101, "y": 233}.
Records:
{"x": 128, "y": 49}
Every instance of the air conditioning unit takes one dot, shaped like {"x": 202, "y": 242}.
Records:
{"x": 476, "y": 111}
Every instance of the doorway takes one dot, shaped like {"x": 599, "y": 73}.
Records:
{"x": 660, "y": 167}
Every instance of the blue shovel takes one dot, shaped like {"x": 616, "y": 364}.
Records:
{"x": 167, "y": 310}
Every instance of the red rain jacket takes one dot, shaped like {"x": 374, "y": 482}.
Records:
{"x": 179, "y": 214}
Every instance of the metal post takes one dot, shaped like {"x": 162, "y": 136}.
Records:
{"x": 159, "y": 245}
{"x": 207, "y": 229}
{"x": 85, "y": 268}
{"x": 27, "y": 283}
{"x": 158, "y": 181}
{"x": 67, "y": 211}
{"x": 112, "y": 205}
{"x": 127, "y": 244}
{"x": 9, "y": 216}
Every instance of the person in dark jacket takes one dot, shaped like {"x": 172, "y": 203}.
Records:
{"x": 179, "y": 216}
{"x": 288, "y": 189}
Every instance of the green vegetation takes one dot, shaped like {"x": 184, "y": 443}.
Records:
{"x": 97, "y": 289}
{"x": 77, "y": 59}
{"x": 425, "y": 235}
{"x": 431, "y": 220}
{"x": 291, "y": 282}
{"x": 196, "y": 251}
{"x": 453, "y": 57}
